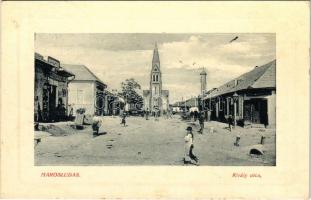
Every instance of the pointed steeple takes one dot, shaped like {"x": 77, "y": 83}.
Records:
{"x": 155, "y": 59}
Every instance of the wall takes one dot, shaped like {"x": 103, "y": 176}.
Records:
{"x": 164, "y": 103}
{"x": 40, "y": 79}
{"x": 82, "y": 95}
{"x": 272, "y": 110}
{"x": 146, "y": 102}
{"x": 61, "y": 90}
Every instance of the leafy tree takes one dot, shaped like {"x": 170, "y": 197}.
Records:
{"x": 129, "y": 89}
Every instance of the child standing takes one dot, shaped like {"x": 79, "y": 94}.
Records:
{"x": 123, "y": 121}
{"x": 188, "y": 155}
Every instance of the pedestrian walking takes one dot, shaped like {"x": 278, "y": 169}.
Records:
{"x": 147, "y": 114}
{"x": 123, "y": 121}
{"x": 201, "y": 122}
{"x": 230, "y": 122}
{"x": 195, "y": 115}
{"x": 188, "y": 149}
{"x": 96, "y": 123}
{"x": 157, "y": 112}
{"x": 170, "y": 113}
{"x": 192, "y": 115}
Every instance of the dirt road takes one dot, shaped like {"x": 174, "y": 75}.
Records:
{"x": 150, "y": 142}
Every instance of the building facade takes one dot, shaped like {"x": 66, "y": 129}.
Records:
{"x": 114, "y": 105}
{"x": 86, "y": 91}
{"x": 156, "y": 98}
{"x": 51, "y": 90}
{"x": 253, "y": 95}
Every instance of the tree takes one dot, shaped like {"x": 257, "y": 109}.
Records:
{"x": 129, "y": 89}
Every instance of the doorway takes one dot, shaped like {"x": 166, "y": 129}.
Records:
{"x": 52, "y": 103}
{"x": 255, "y": 111}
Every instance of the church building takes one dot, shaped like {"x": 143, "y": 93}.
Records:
{"x": 155, "y": 98}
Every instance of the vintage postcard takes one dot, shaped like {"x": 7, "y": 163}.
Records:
{"x": 155, "y": 99}
{"x": 164, "y": 97}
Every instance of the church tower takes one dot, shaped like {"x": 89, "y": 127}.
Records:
{"x": 155, "y": 81}
{"x": 156, "y": 99}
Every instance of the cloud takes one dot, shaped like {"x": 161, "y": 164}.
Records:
{"x": 235, "y": 47}
{"x": 116, "y": 57}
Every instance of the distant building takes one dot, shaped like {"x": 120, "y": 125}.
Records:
{"x": 86, "y": 90}
{"x": 114, "y": 104}
{"x": 155, "y": 98}
{"x": 110, "y": 99}
{"x": 256, "y": 99}
{"x": 203, "y": 76}
{"x": 51, "y": 89}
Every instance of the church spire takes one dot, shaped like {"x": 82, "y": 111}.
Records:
{"x": 155, "y": 59}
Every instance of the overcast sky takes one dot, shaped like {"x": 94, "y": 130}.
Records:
{"x": 116, "y": 57}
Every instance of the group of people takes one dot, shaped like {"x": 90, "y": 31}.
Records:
{"x": 97, "y": 122}
{"x": 156, "y": 114}
{"x": 189, "y": 157}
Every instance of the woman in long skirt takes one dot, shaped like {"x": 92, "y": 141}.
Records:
{"x": 188, "y": 154}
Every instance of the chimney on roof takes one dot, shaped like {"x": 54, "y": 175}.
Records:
{"x": 235, "y": 82}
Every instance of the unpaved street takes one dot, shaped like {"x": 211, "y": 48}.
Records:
{"x": 150, "y": 142}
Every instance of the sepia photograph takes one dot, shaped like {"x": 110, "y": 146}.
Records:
{"x": 155, "y": 99}
{"x": 158, "y": 100}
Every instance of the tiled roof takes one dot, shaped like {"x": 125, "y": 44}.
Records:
{"x": 59, "y": 70}
{"x": 82, "y": 73}
{"x": 259, "y": 77}
{"x": 192, "y": 102}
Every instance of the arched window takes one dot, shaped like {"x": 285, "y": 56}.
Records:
{"x": 156, "y": 77}
{"x": 153, "y": 78}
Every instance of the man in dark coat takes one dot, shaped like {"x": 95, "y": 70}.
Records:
{"x": 201, "y": 122}
{"x": 147, "y": 114}
{"x": 230, "y": 122}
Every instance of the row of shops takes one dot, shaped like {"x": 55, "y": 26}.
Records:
{"x": 249, "y": 99}
{"x": 60, "y": 90}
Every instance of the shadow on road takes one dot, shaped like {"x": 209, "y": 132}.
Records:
{"x": 99, "y": 134}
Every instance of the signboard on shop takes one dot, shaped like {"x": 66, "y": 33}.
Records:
{"x": 54, "y": 62}
{"x": 57, "y": 77}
